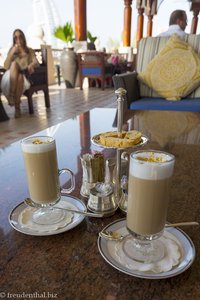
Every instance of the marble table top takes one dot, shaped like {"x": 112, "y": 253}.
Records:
{"x": 68, "y": 265}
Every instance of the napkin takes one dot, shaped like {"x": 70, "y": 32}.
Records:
{"x": 172, "y": 257}
{"x": 25, "y": 219}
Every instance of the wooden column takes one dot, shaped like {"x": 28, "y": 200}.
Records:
{"x": 195, "y": 8}
{"x": 194, "y": 22}
{"x": 127, "y": 23}
{"x": 140, "y": 25}
{"x": 80, "y": 20}
{"x": 150, "y": 10}
{"x": 149, "y": 25}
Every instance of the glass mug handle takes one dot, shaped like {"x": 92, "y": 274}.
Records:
{"x": 72, "y": 179}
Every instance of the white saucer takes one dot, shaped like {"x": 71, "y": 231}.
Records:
{"x": 107, "y": 250}
{"x": 67, "y": 201}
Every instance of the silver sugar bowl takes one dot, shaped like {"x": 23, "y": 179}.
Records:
{"x": 102, "y": 199}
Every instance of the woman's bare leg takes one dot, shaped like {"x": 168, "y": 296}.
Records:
{"x": 19, "y": 88}
{"x": 18, "y": 94}
{"x": 14, "y": 73}
{"x": 16, "y": 86}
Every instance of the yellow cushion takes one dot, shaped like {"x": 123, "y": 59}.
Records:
{"x": 174, "y": 72}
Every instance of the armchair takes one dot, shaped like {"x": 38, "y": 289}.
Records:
{"x": 141, "y": 97}
{"x": 92, "y": 65}
{"x": 39, "y": 79}
{"x": 3, "y": 114}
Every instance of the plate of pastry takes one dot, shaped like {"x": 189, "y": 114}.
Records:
{"x": 120, "y": 140}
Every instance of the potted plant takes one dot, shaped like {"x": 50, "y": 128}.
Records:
{"x": 68, "y": 59}
{"x": 65, "y": 33}
{"x": 91, "y": 40}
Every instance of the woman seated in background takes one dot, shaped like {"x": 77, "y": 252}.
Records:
{"x": 19, "y": 64}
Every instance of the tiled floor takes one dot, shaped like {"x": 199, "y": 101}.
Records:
{"x": 65, "y": 104}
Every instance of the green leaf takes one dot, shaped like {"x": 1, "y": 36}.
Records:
{"x": 64, "y": 33}
{"x": 90, "y": 37}
{"x": 58, "y": 32}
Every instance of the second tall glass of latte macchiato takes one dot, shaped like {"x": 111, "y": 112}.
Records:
{"x": 150, "y": 173}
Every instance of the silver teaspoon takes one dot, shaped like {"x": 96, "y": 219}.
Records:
{"x": 116, "y": 236}
{"x": 30, "y": 203}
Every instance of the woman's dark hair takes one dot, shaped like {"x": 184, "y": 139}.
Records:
{"x": 23, "y": 38}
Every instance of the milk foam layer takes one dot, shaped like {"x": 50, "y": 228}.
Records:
{"x": 48, "y": 143}
{"x": 151, "y": 170}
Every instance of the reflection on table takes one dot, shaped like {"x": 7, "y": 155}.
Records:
{"x": 168, "y": 127}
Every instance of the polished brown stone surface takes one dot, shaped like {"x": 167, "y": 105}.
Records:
{"x": 69, "y": 265}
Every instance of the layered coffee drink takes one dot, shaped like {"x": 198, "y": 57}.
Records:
{"x": 148, "y": 191}
{"x": 42, "y": 169}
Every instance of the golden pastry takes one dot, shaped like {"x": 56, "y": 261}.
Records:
{"x": 120, "y": 140}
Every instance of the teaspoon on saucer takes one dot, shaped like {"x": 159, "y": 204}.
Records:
{"x": 116, "y": 236}
{"x": 30, "y": 203}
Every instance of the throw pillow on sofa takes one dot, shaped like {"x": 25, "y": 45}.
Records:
{"x": 174, "y": 72}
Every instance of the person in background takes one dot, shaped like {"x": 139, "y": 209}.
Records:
{"x": 19, "y": 65}
{"x": 177, "y": 24}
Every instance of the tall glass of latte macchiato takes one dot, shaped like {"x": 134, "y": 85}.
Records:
{"x": 150, "y": 174}
{"x": 41, "y": 165}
